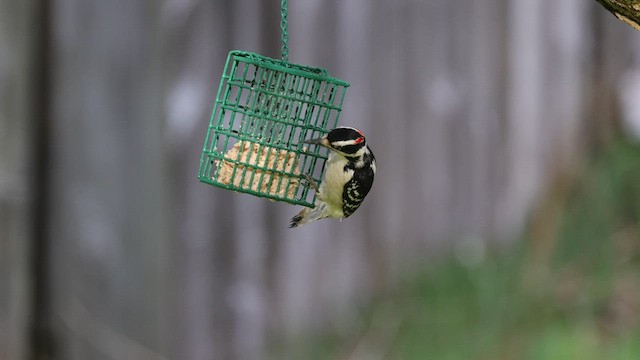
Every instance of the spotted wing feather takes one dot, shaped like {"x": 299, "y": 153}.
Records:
{"x": 355, "y": 191}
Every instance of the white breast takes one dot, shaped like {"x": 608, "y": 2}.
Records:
{"x": 333, "y": 184}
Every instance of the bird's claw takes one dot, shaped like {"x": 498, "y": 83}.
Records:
{"x": 311, "y": 182}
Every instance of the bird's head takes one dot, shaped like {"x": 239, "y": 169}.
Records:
{"x": 347, "y": 141}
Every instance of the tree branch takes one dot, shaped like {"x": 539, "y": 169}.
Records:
{"x": 625, "y": 10}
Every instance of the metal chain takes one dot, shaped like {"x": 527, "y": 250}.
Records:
{"x": 285, "y": 35}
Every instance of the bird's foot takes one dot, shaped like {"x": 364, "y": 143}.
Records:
{"x": 311, "y": 182}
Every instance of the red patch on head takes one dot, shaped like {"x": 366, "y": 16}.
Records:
{"x": 360, "y": 139}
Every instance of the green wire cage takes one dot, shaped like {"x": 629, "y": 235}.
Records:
{"x": 264, "y": 110}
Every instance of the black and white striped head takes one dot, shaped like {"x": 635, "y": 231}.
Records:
{"x": 347, "y": 141}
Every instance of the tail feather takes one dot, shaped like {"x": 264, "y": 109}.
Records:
{"x": 308, "y": 215}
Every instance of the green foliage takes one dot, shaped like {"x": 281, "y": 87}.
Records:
{"x": 582, "y": 303}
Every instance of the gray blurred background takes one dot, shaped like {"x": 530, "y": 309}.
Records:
{"x": 111, "y": 249}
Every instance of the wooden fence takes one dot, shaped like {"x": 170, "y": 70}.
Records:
{"x": 111, "y": 249}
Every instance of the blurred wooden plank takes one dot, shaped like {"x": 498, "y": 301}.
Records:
{"x": 110, "y": 215}
{"x": 16, "y": 61}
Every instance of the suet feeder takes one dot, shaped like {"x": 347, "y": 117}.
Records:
{"x": 264, "y": 110}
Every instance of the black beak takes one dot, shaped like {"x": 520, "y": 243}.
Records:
{"x": 322, "y": 141}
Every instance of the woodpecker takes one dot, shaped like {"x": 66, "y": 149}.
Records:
{"x": 349, "y": 175}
